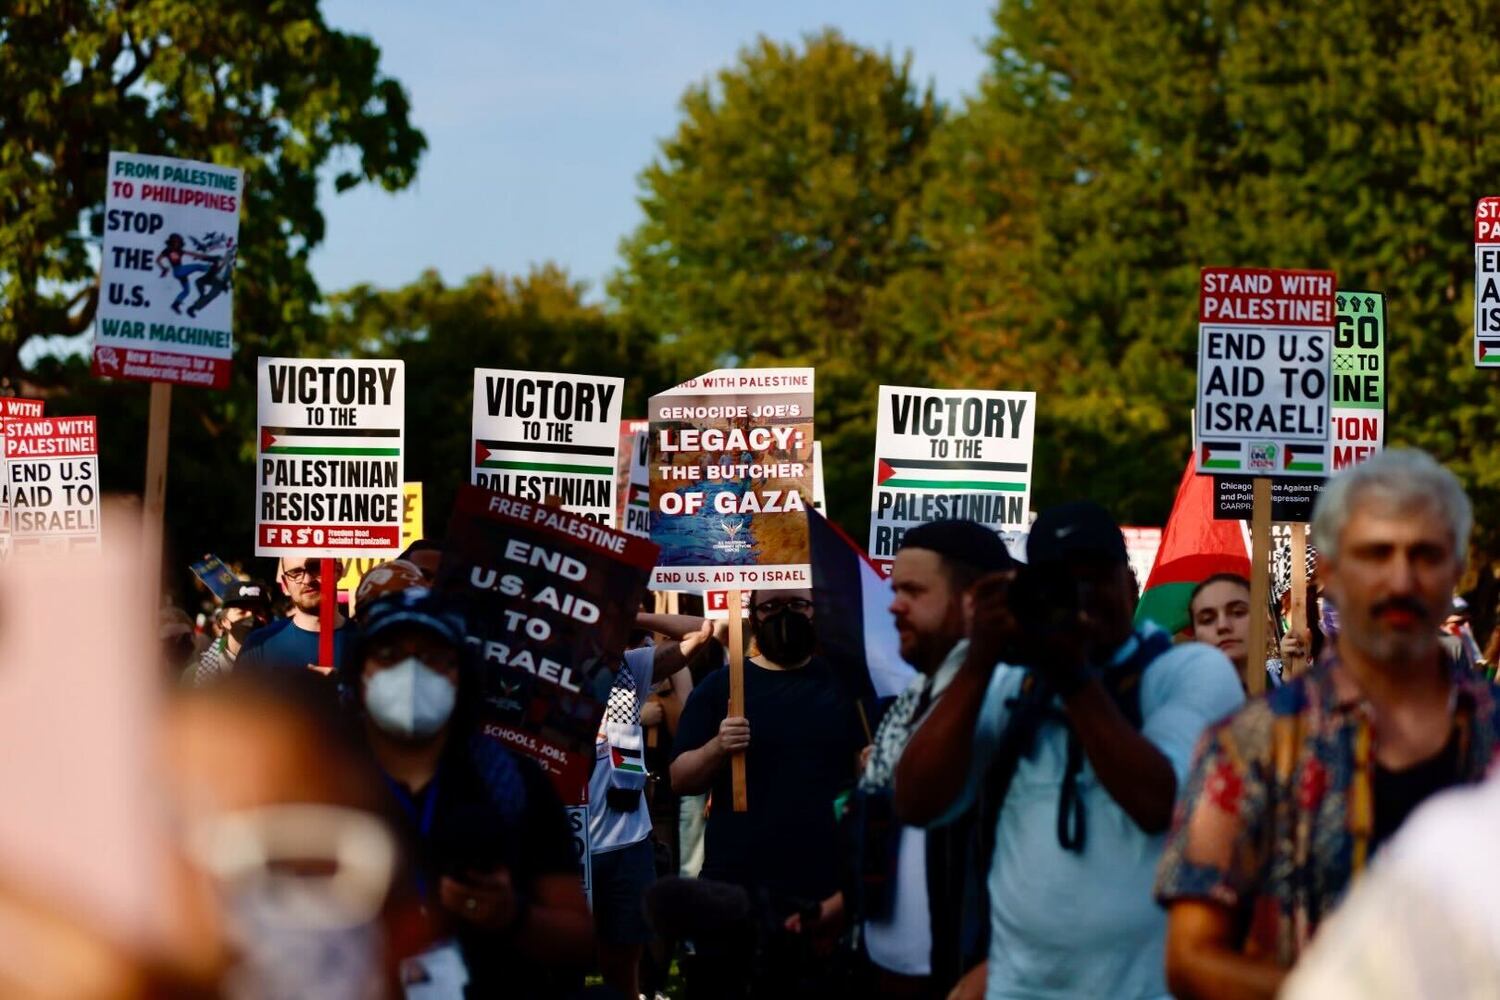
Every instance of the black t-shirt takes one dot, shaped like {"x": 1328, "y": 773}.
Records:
{"x": 805, "y": 738}
{"x": 488, "y": 808}
{"x": 1397, "y": 793}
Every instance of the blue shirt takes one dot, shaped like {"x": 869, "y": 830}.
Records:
{"x": 281, "y": 646}
{"x": 1086, "y": 925}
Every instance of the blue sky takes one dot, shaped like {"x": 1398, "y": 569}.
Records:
{"x": 539, "y": 115}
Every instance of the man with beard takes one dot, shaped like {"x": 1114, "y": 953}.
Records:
{"x": 803, "y": 754}
{"x": 913, "y": 886}
{"x": 291, "y": 644}
{"x": 1291, "y": 796}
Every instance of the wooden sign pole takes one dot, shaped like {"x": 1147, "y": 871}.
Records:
{"x": 158, "y": 442}
{"x": 1260, "y": 586}
{"x": 328, "y": 609}
{"x": 737, "y": 696}
{"x": 1298, "y": 613}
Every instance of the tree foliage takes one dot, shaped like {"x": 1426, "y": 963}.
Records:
{"x": 783, "y": 225}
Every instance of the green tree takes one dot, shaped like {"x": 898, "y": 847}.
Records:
{"x": 1123, "y": 145}
{"x": 783, "y": 227}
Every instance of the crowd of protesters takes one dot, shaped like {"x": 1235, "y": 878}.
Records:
{"x": 1065, "y": 802}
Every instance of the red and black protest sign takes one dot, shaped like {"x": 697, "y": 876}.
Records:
{"x": 550, "y": 599}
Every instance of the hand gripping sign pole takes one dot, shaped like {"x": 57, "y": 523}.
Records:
{"x": 737, "y": 697}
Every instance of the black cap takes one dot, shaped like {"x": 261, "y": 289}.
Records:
{"x": 1078, "y": 529}
{"x": 414, "y": 606}
{"x": 966, "y": 542}
{"x": 248, "y": 594}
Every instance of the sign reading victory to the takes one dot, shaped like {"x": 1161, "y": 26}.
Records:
{"x": 1265, "y": 343}
{"x": 171, "y": 239}
{"x": 731, "y": 480}
{"x": 329, "y": 475}
{"x": 949, "y": 453}
{"x": 544, "y": 436}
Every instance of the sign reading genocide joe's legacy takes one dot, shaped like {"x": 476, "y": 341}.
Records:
{"x": 547, "y": 436}
{"x": 171, "y": 241}
{"x": 731, "y": 480}
{"x": 329, "y": 474}
{"x": 1359, "y": 347}
{"x": 949, "y": 453}
{"x": 1265, "y": 342}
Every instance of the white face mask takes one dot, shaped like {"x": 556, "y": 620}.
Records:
{"x": 409, "y": 699}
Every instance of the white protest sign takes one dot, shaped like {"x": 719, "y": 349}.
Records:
{"x": 819, "y": 497}
{"x": 171, "y": 240}
{"x": 638, "y": 494}
{"x": 1359, "y": 355}
{"x": 1487, "y": 282}
{"x": 543, "y": 435}
{"x": 52, "y": 468}
{"x": 329, "y": 471}
{"x": 949, "y": 453}
{"x": 1265, "y": 344}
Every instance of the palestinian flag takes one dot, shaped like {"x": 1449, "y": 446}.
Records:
{"x": 855, "y": 629}
{"x": 1220, "y": 456}
{"x": 961, "y": 476}
{"x": 640, "y": 496}
{"x": 337, "y": 442}
{"x": 627, "y": 759}
{"x": 1193, "y": 548}
{"x": 574, "y": 459}
{"x": 1489, "y": 352}
{"x": 1305, "y": 457}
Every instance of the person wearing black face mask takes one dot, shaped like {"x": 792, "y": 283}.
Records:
{"x": 247, "y": 606}
{"x": 804, "y": 753}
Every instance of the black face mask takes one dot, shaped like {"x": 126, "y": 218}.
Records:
{"x": 241, "y": 629}
{"x": 786, "y": 637}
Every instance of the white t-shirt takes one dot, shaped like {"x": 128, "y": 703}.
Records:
{"x": 610, "y": 829}
{"x": 904, "y": 942}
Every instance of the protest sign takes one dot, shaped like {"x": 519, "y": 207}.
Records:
{"x": 329, "y": 473}
{"x": 1264, "y": 393}
{"x": 1487, "y": 282}
{"x": 578, "y": 826}
{"x": 731, "y": 480}
{"x": 411, "y": 530}
{"x": 544, "y": 435}
{"x": 1358, "y": 421}
{"x": 624, "y": 459}
{"x": 171, "y": 238}
{"x": 637, "y": 519}
{"x": 549, "y": 598}
{"x": 213, "y": 574}
{"x": 10, "y": 407}
{"x": 1141, "y": 546}
{"x": 52, "y": 466}
{"x": 949, "y": 453}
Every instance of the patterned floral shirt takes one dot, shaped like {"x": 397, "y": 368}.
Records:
{"x": 1277, "y": 817}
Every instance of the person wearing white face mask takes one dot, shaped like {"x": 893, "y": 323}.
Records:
{"x": 491, "y": 856}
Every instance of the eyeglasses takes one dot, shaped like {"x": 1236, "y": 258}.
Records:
{"x": 296, "y": 574}
{"x": 798, "y": 604}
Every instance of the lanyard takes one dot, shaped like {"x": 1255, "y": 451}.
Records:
{"x": 422, "y": 815}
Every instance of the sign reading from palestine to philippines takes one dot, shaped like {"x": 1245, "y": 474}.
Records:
{"x": 549, "y": 598}
{"x": 1359, "y": 349}
{"x": 171, "y": 239}
{"x": 1487, "y": 282}
{"x": 544, "y": 435}
{"x": 52, "y": 467}
{"x": 329, "y": 473}
{"x": 949, "y": 453}
{"x": 1265, "y": 340}
{"x": 731, "y": 480}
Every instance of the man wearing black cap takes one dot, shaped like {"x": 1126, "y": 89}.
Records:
{"x": 913, "y": 884}
{"x": 1069, "y": 730}
{"x": 247, "y": 606}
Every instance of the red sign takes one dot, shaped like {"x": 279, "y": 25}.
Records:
{"x": 1259, "y": 296}
{"x": 161, "y": 366}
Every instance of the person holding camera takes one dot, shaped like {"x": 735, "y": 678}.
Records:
{"x": 491, "y": 861}
{"x": 1070, "y": 730}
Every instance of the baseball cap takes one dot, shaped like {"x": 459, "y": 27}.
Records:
{"x": 388, "y": 578}
{"x": 414, "y": 607}
{"x": 247, "y": 594}
{"x": 1079, "y": 528}
{"x": 966, "y": 542}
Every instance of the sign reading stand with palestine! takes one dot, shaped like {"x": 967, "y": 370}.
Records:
{"x": 731, "y": 480}
{"x": 1265, "y": 343}
{"x": 329, "y": 471}
{"x": 949, "y": 453}
{"x": 544, "y": 435}
{"x": 171, "y": 239}
{"x": 52, "y": 467}
{"x": 1487, "y": 282}
{"x": 1359, "y": 348}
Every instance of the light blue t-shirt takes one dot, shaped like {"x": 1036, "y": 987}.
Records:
{"x": 1086, "y": 925}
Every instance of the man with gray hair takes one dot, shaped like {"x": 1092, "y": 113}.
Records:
{"x": 1290, "y": 796}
